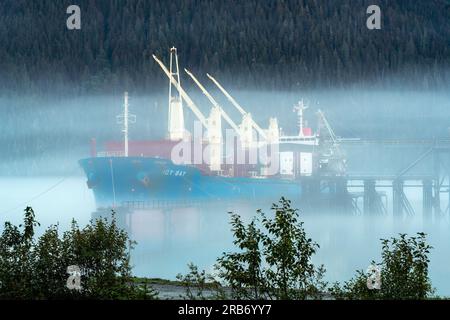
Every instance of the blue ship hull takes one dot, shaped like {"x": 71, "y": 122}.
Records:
{"x": 118, "y": 180}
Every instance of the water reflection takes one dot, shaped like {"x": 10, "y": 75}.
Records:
{"x": 169, "y": 238}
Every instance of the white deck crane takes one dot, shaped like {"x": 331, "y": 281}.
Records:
{"x": 333, "y": 156}
{"x": 328, "y": 127}
{"x": 175, "y": 126}
{"x": 212, "y": 124}
{"x": 214, "y": 102}
{"x": 271, "y": 136}
{"x": 183, "y": 94}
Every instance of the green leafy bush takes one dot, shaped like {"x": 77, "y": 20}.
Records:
{"x": 37, "y": 269}
{"x": 404, "y": 272}
{"x": 273, "y": 260}
{"x": 199, "y": 285}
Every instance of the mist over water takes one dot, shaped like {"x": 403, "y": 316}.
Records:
{"x": 46, "y": 136}
{"x": 42, "y": 140}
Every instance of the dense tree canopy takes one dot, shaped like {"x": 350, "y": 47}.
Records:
{"x": 286, "y": 43}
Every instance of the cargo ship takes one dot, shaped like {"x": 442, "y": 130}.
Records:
{"x": 248, "y": 163}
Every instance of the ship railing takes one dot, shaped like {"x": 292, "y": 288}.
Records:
{"x": 110, "y": 154}
{"x": 161, "y": 203}
{"x": 310, "y": 140}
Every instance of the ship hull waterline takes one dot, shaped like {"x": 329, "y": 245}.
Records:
{"x": 121, "y": 181}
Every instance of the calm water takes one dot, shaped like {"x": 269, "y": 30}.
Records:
{"x": 167, "y": 241}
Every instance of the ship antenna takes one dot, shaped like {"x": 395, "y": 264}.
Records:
{"x": 126, "y": 118}
{"x": 300, "y": 107}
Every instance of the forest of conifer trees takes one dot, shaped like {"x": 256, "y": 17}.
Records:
{"x": 255, "y": 43}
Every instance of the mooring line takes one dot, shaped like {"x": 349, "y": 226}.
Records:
{"x": 36, "y": 196}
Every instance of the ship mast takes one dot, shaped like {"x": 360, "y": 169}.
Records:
{"x": 300, "y": 107}
{"x": 126, "y": 118}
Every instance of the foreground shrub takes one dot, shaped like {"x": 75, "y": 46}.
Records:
{"x": 273, "y": 260}
{"x": 403, "y": 272}
{"x": 37, "y": 269}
